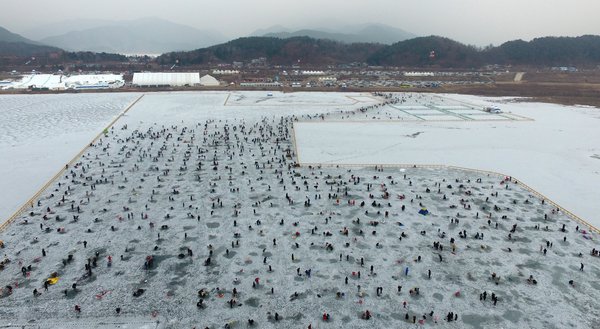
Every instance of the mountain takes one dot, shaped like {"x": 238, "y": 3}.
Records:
{"x": 424, "y": 52}
{"x": 366, "y": 33}
{"x": 23, "y": 49}
{"x": 12, "y": 44}
{"x": 277, "y": 51}
{"x": 317, "y": 34}
{"x": 548, "y": 51}
{"x": 58, "y": 28}
{"x": 15, "y": 50}
{"x": 142, "y": 36}
{"x": 427, "y": 51}
{"x": 539, "y": 52}
{"x": 269, "y": 30}
{"x": 380, "y": 33}
{"x": 8, "y": 36}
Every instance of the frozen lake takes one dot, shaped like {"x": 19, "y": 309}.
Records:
{"x": 557, "y": 153}
{"x": 40, "y": 133}
{"x": 191, "y": 212}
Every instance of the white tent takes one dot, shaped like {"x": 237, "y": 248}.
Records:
{"x": 166, "y": 79}
{"x": 94, "y": 81}
{"x": 59, "y": 81}
{"x": 209, "y": 80}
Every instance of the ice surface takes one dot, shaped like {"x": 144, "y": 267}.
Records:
{"x": 553, "y": 153}
{"x": 146, "y": 170}
{"x": 40, "y": 133}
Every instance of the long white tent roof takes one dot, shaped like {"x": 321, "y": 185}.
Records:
{"x": 166, "y": 78}
{"x": 59, "y": 81}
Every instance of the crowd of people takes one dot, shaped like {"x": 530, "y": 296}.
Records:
{"x": 225, "y": 205}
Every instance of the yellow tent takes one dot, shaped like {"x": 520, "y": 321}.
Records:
{"x": 52, "y": 280}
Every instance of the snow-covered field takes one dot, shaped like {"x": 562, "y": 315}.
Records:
{"x": 557, "y": 153}
{"x": 40, "y": 133}
{"x": 200, "y": 192}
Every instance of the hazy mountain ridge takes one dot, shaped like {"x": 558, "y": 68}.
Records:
{"x": 269, "y": 30}
{"x": 8, "y": 36}
{"x": 15, "y": 48}
{"x": 366, "y": 33}
{"x": 24, "y": 49}
{"x": 12, "y": 44}
{"x": 431, "y": 51}
{"x": 145, "y": 36}
{"x": 57, "y": 28}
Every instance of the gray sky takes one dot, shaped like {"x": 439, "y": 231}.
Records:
{"x": 477, "y": 22}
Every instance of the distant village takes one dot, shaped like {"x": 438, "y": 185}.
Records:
{"x": 267, "y": 78}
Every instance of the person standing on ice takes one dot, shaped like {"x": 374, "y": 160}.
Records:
{"x": 406, "y": 271}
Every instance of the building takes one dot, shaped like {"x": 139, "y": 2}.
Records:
{"x": 261, "y": 61}
{"x": 419, "y": 74}
{"x": 170, "y": 79}
{"x": 209, "y": 81}
{"x": 327, "y": 80}
{"x": 225, "y": 72}
{"x": 261, "y": 84}
{"x": 61, "y": 82}
{"x": 312, "y": 73}
{"x": 565, "y": 69}
{"x": 94, "y": 81}
{"x": 39, "y": 81}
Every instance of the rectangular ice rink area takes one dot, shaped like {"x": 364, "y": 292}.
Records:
{"x": 556, "y": 153}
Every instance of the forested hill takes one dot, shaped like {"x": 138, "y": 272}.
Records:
{"x": 277, "y": 51}
{"x": 432, "y": 51}
{"x": 548, "y": 51}
{"x": 427, "y": 51}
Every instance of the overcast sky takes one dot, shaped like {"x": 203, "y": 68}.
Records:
{"x": 477, "y": 22}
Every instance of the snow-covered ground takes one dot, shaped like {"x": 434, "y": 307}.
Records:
{"x": 209, "y": 191}
{"x": 557, "y": 153}
{"x": 40, "y": 133}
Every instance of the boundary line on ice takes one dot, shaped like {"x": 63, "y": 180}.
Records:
{"x": 354, "y": 102}
{"x": 295, "y": 145}
{"x": 92, "y": 322}
{"x": 29, "y": 203}
{"x": 226, "y": 99}
{"x": 524, "y": 119}
{"x": 488, "y": 172}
